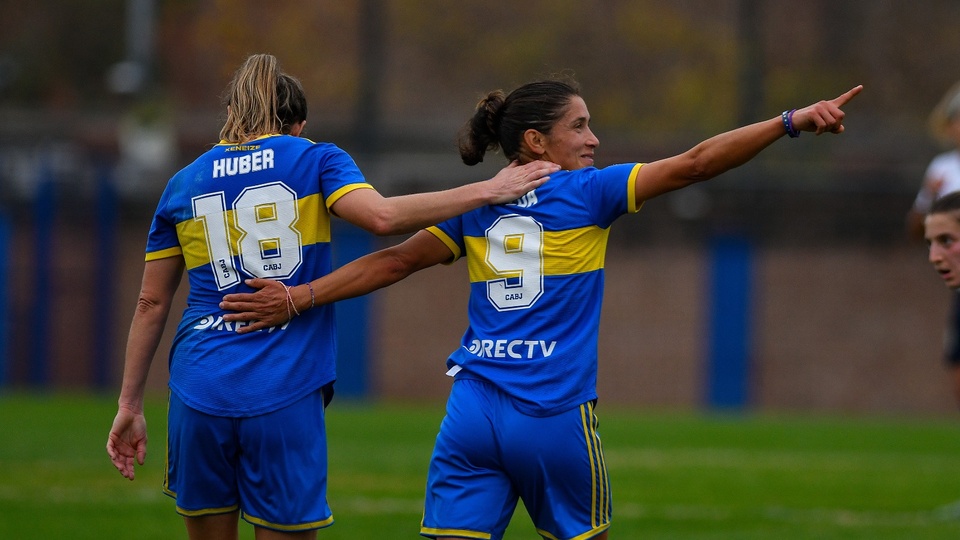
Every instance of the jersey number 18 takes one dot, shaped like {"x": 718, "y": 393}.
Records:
{"x": 269, "y": 246}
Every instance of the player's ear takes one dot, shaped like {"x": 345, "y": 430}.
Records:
{"x": 297, "y": 128}
{"x": 535, "y": 141}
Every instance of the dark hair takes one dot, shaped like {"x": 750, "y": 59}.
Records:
{"x": 500, "y": 120}
{"x": 291, "y": 102}
{"x": 262, "y": 99}
{"x": 946, "y": 204}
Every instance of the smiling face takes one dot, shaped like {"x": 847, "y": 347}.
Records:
{"x": 942, "y": 232}
{"x": 570, "y": 142}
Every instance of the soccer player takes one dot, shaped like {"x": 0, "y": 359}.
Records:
{"x": 942, "y": 233}
{"x": 246, "y": 412}
{"x": 942, "y": 177}
{"x": 520, "y": 420}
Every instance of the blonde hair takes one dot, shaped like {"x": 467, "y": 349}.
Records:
{"x": 946, "y": 112}
{"x": 261, "y": 100}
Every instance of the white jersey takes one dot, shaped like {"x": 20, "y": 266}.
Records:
{"x": 944, "y": 169}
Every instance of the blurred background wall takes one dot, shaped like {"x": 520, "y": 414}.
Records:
{"x": 786, "y": 284}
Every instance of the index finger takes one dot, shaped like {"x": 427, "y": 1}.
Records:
{"x": 847, "y": 96}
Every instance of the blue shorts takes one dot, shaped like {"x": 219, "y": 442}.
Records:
{"x": 272, "y": 468}
{"x": 488, "y": 455}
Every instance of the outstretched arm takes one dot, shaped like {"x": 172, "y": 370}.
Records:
{"x": 734, "y": 148}
{"x": 269, "y": 305}
{"x": 127, "y": 441}
{"x": 380, "y": 215}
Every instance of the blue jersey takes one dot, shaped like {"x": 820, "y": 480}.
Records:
{"x": 536, "y": 286}
{"x": 257, "y": 209}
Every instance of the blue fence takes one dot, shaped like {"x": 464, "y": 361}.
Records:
{"x": 5, "y": 252}
{"x": 106, "y": 272}
{"x": 730, "y": 331}
{"x": 44, "y": 212}
{"x": 353, "y": 316}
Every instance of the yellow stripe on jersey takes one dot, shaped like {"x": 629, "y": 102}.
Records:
{"x": 574, "y": 251}
{"x": 449, "y": 242}
{"x": 164, "y": 253}
{"x": 632, "y": 206}
{"x": 192, "y": 237}
{"x": 314, "y": 228}
{"x": 336, "y": 195}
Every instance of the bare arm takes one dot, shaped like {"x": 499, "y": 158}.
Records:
{"x": 734, "y": 148}
{"x": 268, "y": 306}
{"x": 380, "y": 215}
{"x": 127, "y": 440}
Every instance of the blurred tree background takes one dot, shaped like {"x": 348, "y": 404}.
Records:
{"x": 392, "y": 80}
{"x": 400, "y": 76}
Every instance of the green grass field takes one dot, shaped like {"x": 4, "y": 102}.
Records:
{"x": 674, "y": 475}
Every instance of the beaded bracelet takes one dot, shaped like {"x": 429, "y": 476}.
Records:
{"x": 787, "y": 118}
{"x": 312, "y": 298}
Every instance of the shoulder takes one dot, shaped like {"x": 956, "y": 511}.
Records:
{"x": 317, "y": 146}
{"x": 326, "y": 150}
{"x": 326, "y": 154}
{"x": 292, "y": 142}
{"x": 611, "y": 174}
{"x": 200, "y": 162}
{"x": 621, "y": 169}
{"x": 945, "y": 164}
{"x": 945, "y": 158}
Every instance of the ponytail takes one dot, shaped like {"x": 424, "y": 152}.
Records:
{"x": 261, "y": 100}
{"x": 481, "y": 132}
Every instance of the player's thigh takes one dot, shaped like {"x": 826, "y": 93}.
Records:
{"x": 201, "y": 461}
{"x": 283, "y": 467}
{"x": 468, "y": 492}
{"x": 261, "y": 533}
{"x": 215, "y": 527}
{"x": 558, "y": 466}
